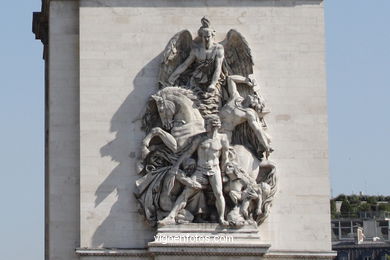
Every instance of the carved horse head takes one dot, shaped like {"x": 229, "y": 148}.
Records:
{"x": 166, "y": 109}
{"x": 174, "y": 103}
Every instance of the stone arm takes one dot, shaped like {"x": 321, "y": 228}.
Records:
{"x": 255, "y": 124}
{"x": 224, "y": 151}
{"x": 218, "y": 67}
{"x": 187, "y": 181}
{"x": 232, "y": 85}
{"x": 182, "y": 67}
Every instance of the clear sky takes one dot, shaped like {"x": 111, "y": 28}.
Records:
{"x": 358, "y": 68}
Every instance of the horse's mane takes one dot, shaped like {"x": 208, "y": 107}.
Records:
{"x": 151, "y": 117}
{"x": 177, "y": 91}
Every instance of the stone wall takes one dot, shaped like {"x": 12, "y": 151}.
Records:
{"x": 62, "y": 134}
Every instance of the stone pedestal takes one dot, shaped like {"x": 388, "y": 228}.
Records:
{"x": 208, "y": 240}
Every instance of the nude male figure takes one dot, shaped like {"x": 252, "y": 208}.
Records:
{"x": 209, "y": 149}
{"x": 238, "y": 110}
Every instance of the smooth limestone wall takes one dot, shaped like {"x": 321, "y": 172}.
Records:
{"x": 120, "y": 50}
{"x": 121, "y": 42}
{"x": 62, "y": 143}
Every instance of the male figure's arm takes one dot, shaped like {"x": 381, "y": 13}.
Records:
{"x": 257, "y": 128}
{"x": 232, "y": 84}
{"x": 218, "y": 67}
{"x": 187, "y": 181}
{"x": 182, "y": 67}
{"x": 224, "y": 151}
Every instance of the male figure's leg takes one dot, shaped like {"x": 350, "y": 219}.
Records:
{"x": 216, "y": 185}
{"x": 180, "y": 204}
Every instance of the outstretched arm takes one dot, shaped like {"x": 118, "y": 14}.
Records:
{"x": 232, "y": 84}
{"x": 218, "y": 67}
{"x": 179, "y": 70}
{"x": 187, "y": 181}
{"x": 257, "y": 128}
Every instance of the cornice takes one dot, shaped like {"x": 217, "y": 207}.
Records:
{"x": 40, "y": 25}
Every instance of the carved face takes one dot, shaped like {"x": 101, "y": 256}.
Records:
{"x": 253, "y": 101}
{"x": 208, "y": 37}
{"x": 213, "y": 123}
{"x": 189, "y": 165}
{"x": 229, "y": 169}
{"x": 166, "y": 110}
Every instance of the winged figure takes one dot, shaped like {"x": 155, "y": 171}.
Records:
{"x": 200, "y": 79}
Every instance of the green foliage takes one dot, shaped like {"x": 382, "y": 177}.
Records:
{"x": 354, "y": 199}
{"x": 333, "y": 209}
{"x": 384, "y": 207}
{"x": 341, "y": 197}
{"x": 364, "y": 207}
{"x": 353, "y": 204}
{"x": 345, "y": 208}
{"x": 372, "y": 200}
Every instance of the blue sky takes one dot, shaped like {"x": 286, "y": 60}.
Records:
{"x": 358, "y": 69}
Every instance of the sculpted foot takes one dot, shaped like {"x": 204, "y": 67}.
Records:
{"x": 167, "y": 221}
{"x": 259, "y": 211}
{"x": 223, "y": 222}
{"x": 244, "y": 213}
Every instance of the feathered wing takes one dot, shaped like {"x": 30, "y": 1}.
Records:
{"x": 238, "y": 57}
{"x": 175, "y": 53}
{"x": 177, "y": 50}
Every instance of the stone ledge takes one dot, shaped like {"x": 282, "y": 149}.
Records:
{"x": 111, "y": 252}
{"x": 206, "y": 251}
{"x": 209, "y": 251}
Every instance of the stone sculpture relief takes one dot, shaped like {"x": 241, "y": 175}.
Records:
{"x": 205, "y": 156}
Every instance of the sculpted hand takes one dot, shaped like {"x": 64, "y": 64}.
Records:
{"x": 196, "y": 185}
{"x": 174, "y": 170}
{"x": 249, "y": 83}
{"x": 171, "y": 80}
{"x": 225, "y": 179}
{"x": 155, "y": 130}
{"x": 211, "y": 88}
{"x": 144, "y": 151}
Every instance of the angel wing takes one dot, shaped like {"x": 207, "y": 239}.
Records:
{"x": 238, "y": 57}
{"x": 177, "y": 50}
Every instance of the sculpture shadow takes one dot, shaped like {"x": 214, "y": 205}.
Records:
{"x": 123, "y": 149}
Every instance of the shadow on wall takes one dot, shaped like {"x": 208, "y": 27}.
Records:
{"x": 124, "y": 221}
